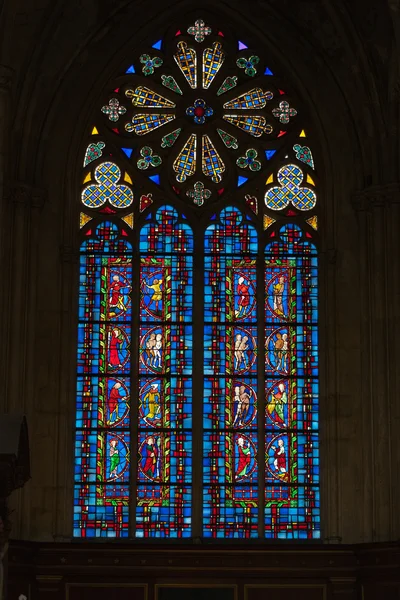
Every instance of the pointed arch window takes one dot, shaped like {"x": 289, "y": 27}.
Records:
{"x": 197, "y": 370}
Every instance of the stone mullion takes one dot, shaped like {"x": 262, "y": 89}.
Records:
{"x": 198, "y": 384}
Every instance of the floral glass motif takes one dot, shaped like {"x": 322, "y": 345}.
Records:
{"x": 228, "y": 84}
{"x": 284, "y": 112}
{"x": 167, "y": 141}
{"x": 304, "y": 154}
{"x": 113, "y": 110}
{"x": 150, "y": 64}
{"x": 198, "y": 194}
{"x": 149, "y": 159}
{"x": 169, "y": 82}
{"x": 93, "y": 151}
{"x": 251, "y": 345}
{"x": 248, "y": 64}
{"x": 107, "y": 175}
{"x": 199, "y": 30}
{"x": 229, "y": 140}
{"x": 199, "y": 111}
{"x": 290, "y": 191}
{"x": 249, "y": 160}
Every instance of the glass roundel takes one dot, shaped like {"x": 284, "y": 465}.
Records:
{"x": 197, "y": 355}
{"x": 212, "y": 112}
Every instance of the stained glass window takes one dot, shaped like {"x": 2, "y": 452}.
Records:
{"x": 197, "y": 352}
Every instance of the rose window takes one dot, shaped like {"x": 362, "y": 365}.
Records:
{"x": 215, "y": 116}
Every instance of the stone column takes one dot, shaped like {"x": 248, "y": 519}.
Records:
{"x": 6, "y": 76}
{"x": 24, "y": 202}
{"x": 377, "y": 210}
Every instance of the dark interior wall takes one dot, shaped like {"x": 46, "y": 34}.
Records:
{"x": 341, "y": 60}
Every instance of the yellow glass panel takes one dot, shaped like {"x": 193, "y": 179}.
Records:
{"x": 87, "y": 178}
{"x": 313, "y": 222}
{"x": 127, "y": 178}
{"x": 94, "y": 131}
{"x": 270, "y": 179}
{"x": 303, "y": 133}
{"x": 268, "y": 221}
{"x": 310, "y": 180}
{"x": 83, "y": 219}
{"x": 128, "y": 219}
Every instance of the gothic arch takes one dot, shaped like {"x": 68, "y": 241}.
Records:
{"x": 46, "y": 163}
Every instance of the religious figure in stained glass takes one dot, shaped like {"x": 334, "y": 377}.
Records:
{"x": 200, "y": 290}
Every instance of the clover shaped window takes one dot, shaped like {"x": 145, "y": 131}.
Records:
{"x": 290, "y": 191}
{"x": 107, "y": 175}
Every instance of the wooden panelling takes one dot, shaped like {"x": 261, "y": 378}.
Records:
{"x": 285, "y": 592}
{"x": 105, "y": 591}
{"x": 195, "y": 592}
